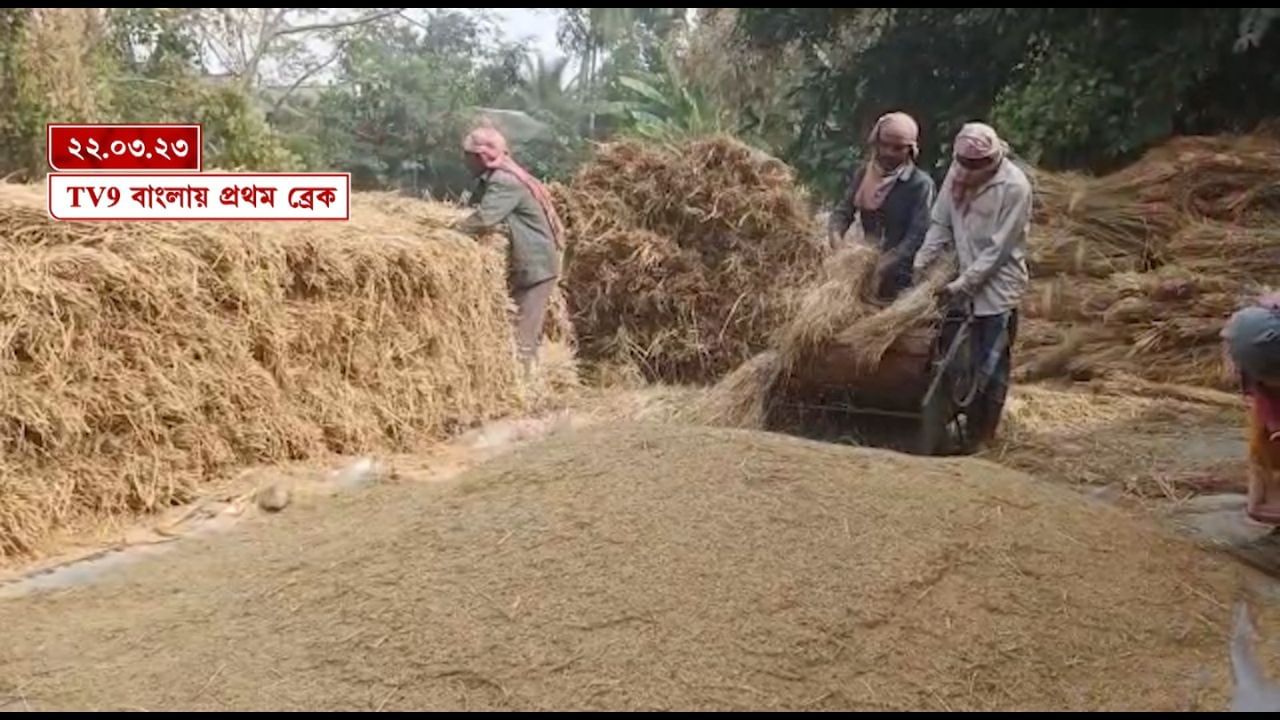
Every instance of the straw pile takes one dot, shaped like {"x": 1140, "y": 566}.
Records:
{"x": 1136, "y": 272}
{"x": 680, "y": 255}
{"x": 137, "y": 360}
{"x": 639, "y": 567}
{"x": 1231, "y": 178}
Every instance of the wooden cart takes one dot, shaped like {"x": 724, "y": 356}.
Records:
{"x": 925, "y": 383}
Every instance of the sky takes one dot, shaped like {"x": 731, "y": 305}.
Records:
{"x": 537, "y": 25}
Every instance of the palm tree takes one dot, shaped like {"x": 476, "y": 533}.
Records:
{"x": 545, "y": 90}
{"x": 665, "y": 104}
{"x": 591, "y": 33}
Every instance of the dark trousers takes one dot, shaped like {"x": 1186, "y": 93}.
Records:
{"x": 993, "y": 338}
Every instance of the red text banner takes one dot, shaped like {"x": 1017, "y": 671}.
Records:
{"x": 139, "y": 147}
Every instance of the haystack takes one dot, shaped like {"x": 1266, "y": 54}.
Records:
{"x": 631, "y": 567}
{"x": 138, "y": 360}
{"x": 1226, "y": 178}
{"x": 1137, "y": 271}
{"x": 680, "y": 254}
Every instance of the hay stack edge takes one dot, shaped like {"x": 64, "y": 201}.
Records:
{"x": 138, "y": 360}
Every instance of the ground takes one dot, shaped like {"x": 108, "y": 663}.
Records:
{"x": 156, "y": 584}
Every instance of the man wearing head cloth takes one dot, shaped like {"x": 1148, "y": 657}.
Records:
{"x": 890, "y": 197}
{"x": 1252, "y": 339}
{"x": 983, "y": 213}
{"x": 508, "y": 195}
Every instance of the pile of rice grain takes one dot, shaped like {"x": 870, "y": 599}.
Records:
{"x": 680, "y": 255}
{"x": 643, "y": 567}
{"x": 137, "y": 360}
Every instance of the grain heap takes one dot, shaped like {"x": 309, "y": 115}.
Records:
{"x": 628, "y": 567}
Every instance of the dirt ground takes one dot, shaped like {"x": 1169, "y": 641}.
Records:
{"x": 1144, "y": 446}
{"x": 678, "y": 568}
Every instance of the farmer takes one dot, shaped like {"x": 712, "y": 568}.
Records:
{"x": 890, "y": 197}
{"x": 983, "y": 212}
{"x": 1252, "y": 338}
{"x": 508, "y": 195}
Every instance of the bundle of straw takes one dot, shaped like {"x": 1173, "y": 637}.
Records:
{"x": 1229, "y": 178}
{"x": 830, "y": 304}
{"x": 1160, "y": 325}
{"x": 1144, "y": 264}
{"x": 1116, "y": 226}
{"x": 874, "y": 334}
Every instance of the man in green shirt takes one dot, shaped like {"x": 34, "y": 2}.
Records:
{"x": 508, "y": 195}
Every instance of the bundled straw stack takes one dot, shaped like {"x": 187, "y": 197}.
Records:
{"x": 137, "y": 360}
{"x": 680, "y": 255}
{"x": 1137, "y": 271}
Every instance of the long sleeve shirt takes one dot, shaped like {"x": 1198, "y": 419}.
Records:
{"x": 990, "y": 239}
{"x": 503, "y": 199}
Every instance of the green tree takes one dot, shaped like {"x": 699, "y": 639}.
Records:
{"x": 406, "y": 93}
{"x": 1078, "y": 87}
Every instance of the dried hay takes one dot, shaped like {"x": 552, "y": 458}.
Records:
{"x": 831, "y": 304}
{"x": 741, "y": 399}
{"x": 1109, "y": 216}
{"x": 1144, "y": 259}
{"x": 1162, "y": 326}
{"x": 837, "y": 310}
{"x": 137, "y": 360}
{"x": 680, "y": 255}
{"x": 641, "y": 567}
{"x": 1230, "y": 178}
{"x": 1251, "y": 255}
{"x": 873, "y": 334}
{"x": 1140, "y": 437}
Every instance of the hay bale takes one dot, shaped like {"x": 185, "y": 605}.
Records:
{"x": 680, "y": 255}
{"x": 138, "y": 360}
{"x": 630, "y": 567}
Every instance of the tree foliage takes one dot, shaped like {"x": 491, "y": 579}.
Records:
{"x": 405, "y": 95}
{"x": 1078, "y": 87}
{"x": 387, "y": 93}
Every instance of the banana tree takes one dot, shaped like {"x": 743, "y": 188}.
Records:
{"x": 664, "y": 105}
